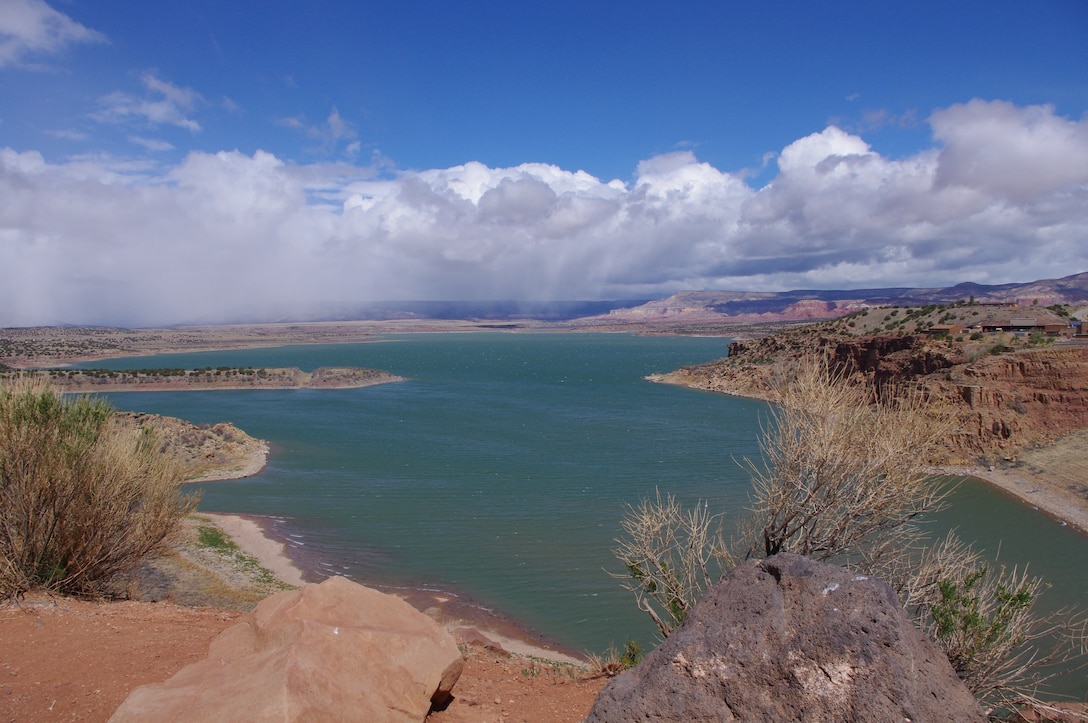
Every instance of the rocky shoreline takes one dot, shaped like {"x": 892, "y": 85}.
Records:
{"x": 206, "y": 452}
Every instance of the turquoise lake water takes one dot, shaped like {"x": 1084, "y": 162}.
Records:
{"x": 500, "y": 470}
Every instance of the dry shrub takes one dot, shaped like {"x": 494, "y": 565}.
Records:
{"x": 984, "y": 617}
{"x": 613, "y": 662}
{"x": 845, "y": 478}
{"x": 83, "y": 499}
{"x": 838, "y": 471}
{"x": 671, "y": 557}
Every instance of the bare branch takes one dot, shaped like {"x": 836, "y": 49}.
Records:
{"x": 671, "y": 557}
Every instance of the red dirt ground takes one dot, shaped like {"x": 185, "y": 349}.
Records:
{"x": 74, "y": 660}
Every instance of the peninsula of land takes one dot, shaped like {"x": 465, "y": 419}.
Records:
{"x": 209, "y": 379}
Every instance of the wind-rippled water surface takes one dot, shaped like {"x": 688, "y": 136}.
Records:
{"x": 500, "y": 470}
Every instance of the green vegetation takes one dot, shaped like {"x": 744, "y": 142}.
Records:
{"x": 143, "y": 376}
{"x": 613, "y": 662}
{"x": 83, "y": 500}
{"x": 1060, "y": 310}
{"x": 970, "y": 619}
{"x": 1036, "y": 338}
{"x": 906, "y": 320}
{"x": 215, "y": 540}
{"x": 556, "y": 671}
{"x": 20, "y": 343}
{"x": 632, "y": 654}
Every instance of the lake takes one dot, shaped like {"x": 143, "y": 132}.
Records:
{"x": 500, "y": 470}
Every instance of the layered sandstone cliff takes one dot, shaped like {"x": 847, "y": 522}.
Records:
{"x": 1006, "y": 399}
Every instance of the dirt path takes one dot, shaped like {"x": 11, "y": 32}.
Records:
{"x": 71, "y": 660}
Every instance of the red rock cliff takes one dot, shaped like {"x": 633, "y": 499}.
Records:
{"x": 1006, "y": 402}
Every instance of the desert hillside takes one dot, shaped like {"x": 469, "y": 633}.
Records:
{"x": 1012, "y": 391}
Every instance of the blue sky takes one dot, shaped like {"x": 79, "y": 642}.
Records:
{"x": 169, "y": 162}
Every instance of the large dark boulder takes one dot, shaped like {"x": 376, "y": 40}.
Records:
{"x": 789, "y": 639}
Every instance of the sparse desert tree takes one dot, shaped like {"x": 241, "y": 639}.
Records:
{"x": 838, "y": 475}
{"x": 83, "y": 498}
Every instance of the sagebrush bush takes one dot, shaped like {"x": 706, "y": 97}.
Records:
{"x": 83, "y": 498}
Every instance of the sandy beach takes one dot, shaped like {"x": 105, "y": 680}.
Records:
{"x": 1034, "y": 490}
{"x": 250, "y": 537}
{"x": 1052, "y": 478}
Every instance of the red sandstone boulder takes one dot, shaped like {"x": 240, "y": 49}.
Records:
{"x": 334, "y": 651}
{"x": 788, "y": 639}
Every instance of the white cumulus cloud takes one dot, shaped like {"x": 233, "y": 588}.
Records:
{"x": 1010, "y": 152}
{"x": 31, "y": 28}
{"x": 1002, "y": 195}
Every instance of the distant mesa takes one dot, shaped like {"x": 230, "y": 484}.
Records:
{"x": 746, "y": 307}
{"x": 721, "y": 306}
{"x": 702, "y": 312}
